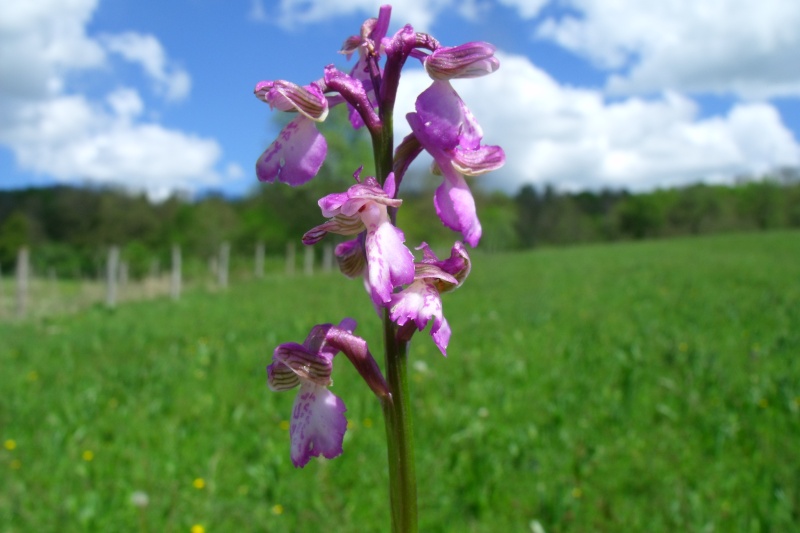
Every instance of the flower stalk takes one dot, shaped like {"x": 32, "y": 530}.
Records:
{"x": 399, "y": 433}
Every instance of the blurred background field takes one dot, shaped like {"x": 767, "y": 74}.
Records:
{"x": 647, "y": 386}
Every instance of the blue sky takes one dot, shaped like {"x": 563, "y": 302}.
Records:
{"x": 157, "y": 96}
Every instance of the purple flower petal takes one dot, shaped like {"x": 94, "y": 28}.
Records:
{"x": 456, "y": 208}
{"x": 305, "y": 360}
{"x": 351, "y": 258}
{"x": 479, "y": 161}
{"x": 382, "y": 25}
{"x": 420, "y": 302}
{"x": 332, "y": 203}
{"x": 458, "y": 265}
{"x": 280, "y": 377}
{"x": 287, "y": 96}
{"x": 469, "y": 60}
{"x": 340, "y": 225}
{"x": 444, "y": 122}
{"x": 318, "y": 424}
{"x": 389, "y": 262}
{"x": 440, "y": 331}
{"x": 295, "y": 156}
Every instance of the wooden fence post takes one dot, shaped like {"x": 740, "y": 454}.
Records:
{"x": 23, "y": 275}
{"x": 224, "y": 258}
{"x": 258, "y": 269}
{"x": 290, "y": 258}
{"x": 175, "y": 278}
{"x": 112, "y": 272}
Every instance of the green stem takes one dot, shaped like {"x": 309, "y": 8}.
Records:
{"x": 396, "y": 408}
{"x": 399, "y": 434}
{"x": 382, "y": 152}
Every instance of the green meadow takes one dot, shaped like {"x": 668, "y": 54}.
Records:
{"x": 638, "y": 387}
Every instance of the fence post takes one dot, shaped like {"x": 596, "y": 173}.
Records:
{"x": 175, "y": 278}
{"x": 224, "y": 257}
{"x": 259, "y": 265}
{"x": 290, "y": 258}
{"x": 23, "y": 275}
{"x": 112, "y": 270}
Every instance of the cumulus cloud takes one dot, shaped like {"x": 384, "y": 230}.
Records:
{"x": 40, "y": 42}
{"x": 527, "y": 9}
{"x": 419, "y": 13}
{"x": 73, "y": 138}
{"x": 147, "y": 51}
{"x": 576, "y": 138}
{"x": 720, "y": 46}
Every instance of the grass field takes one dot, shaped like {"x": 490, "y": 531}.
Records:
{"x": 639, "y": 387}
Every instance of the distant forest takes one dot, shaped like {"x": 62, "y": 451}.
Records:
{"x": 69, "y": 229}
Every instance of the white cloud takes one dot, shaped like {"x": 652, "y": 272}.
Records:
{"x": 722, "y": 46}
{"x": 41, "y": 41}
{"x": 234, "y": 171}
{"x": 575, "y": 139}
{"x": 421, "y": 14}
{"x": 73, "y": 138}
{"x": 527, "y": 9}
{"x": 125, "y": 103}
{"x": 147, "y": 51}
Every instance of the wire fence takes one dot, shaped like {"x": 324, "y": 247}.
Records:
{"x": 26, "y": 294}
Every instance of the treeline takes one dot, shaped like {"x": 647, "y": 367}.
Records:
{"x": 69, "y": 229}
{"x": 547, "y": 217}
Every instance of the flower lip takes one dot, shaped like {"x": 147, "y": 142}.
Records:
{"x": 421, "y": 301}
{"x": 295, "y": 156}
